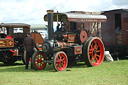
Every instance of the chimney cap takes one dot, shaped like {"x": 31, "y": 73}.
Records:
{"x": 50, "y": 11}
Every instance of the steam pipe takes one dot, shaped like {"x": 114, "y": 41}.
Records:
{"x": 50, "y": 24}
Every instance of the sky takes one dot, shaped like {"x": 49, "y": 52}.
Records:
{"x": 33, "y": 11}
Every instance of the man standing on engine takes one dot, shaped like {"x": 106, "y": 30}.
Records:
{"x": 29, "y": 45}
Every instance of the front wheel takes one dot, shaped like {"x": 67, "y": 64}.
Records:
{"x": 38, "y": 59}
{"x": 24, "y": 56}
{"x": 10, "y": 58}
{"x": 60, "y": 61}
{"x": 93, "y": 51}
{"x": 10, "y": 62}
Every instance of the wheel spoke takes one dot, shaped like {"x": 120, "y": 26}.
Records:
{"x": 58, "y": 56}
{"x": 92, "y": 59}
{"x": 60, "y": 65}
{"x": 62, "y": 58}
{"x": 56, "y": 64}
{"x": 97, "y": 55}
{"x": 37, "y": 58}
{"x": 36, "y": 63}
{"x": 95, "y": 46}
{"x": 42, "y": 63}
{"x": 98, "y": 51}
{"x": 90, "y": 51}
{"x": 58, "y": 61}
{"x": 91, "y": 45}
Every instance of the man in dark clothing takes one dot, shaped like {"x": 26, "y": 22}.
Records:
{"x": 29, "y": 45}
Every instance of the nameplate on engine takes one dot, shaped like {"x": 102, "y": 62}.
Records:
{"x": 71, "y": 37}
{"x": 78, "y": 50}
{"x": 6, "y": 43}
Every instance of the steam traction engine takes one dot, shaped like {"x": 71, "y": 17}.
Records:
{"x": 74, "y": 40}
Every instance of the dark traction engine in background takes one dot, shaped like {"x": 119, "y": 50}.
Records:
{"x": 67, "y": 45}
{"x": 11, "y": 42}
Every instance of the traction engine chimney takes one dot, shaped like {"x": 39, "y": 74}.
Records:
{"x": 50, "y": 24}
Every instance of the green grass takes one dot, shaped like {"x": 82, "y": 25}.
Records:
{"x": 109, "y": 73}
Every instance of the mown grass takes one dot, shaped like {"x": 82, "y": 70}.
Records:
{"x": 109, "y": 73}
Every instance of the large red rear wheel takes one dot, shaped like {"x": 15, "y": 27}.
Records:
{"x": 93, "y": 51}
{"x": 38, "y": 61}
{"x": 24, "y": 57}
{"x": 60, "y": 61}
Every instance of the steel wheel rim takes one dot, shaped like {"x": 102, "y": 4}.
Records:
{"x": 39, "y": 61}
{"x": 61, "y": 61}
{"x": 96, "y": 52}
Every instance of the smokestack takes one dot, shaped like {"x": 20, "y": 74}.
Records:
{"x": 50, "y": 24}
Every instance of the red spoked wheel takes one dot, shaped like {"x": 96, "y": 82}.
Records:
{"x": 60, "y": 61}
{"x": 38, "y": 61}
{"x": 93, "y": 51}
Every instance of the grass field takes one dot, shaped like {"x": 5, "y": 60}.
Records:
{"x": 109, "y": 73}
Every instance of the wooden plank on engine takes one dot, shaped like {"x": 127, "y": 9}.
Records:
{"x": 6, "y": 43}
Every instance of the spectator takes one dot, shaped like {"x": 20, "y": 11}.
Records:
{"x": 29, "y": 45}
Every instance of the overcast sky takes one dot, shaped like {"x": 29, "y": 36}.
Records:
{"x": 32, "y": 11}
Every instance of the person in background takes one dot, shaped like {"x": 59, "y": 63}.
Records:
{"x": 29, "y": 45}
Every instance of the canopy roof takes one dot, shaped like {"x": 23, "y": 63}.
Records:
{"x": 14, "y": 25}
{"x": 77, "y": 17}
{"x": 38, "y": 26}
